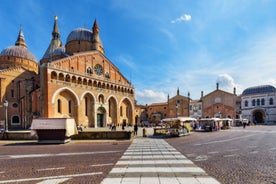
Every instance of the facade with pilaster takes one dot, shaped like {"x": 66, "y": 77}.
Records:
{"x": 76, "y": 80}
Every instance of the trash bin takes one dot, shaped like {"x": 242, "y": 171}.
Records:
{"x": 144, "y": 132}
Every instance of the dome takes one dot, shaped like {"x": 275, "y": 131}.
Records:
{"x": 80, "y": 34}
{"x": 259, "y": 89}
{"x": 18, "y": 51}
{"x": 59, "y": 51}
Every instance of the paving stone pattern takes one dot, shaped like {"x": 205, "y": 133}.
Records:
{"x": 154, "y": 161}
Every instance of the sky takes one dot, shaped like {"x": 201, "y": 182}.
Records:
{"x": 162, "y": 45}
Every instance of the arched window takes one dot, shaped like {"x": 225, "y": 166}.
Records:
{"x": 258, "y": 102}
{"x": 86, "y": 106}
{"x": 263, "y": 101}
{"x": 101, "y": 99}
{"x": 246, "y": 103}
{"x": 67, "y": 78}
{"x": 271, "y": 101}
{"x": 253, "y": 102}
{"x": 59, "y": 106}
{"x": 89, "y": 71}
{"x": 15, "y": 120}
{"x": 12, "y": 93}
{"x": 69, "y": 106}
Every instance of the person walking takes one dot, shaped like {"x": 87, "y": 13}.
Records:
{"x": 244, "y": 124}
{"x": 135, "y": 129}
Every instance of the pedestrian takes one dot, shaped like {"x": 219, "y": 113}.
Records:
{"x": 135, "y": 129}
{"x": 80, "y": 128}
{"x": 244, "y": 124}
{"x": 113, "y": 127}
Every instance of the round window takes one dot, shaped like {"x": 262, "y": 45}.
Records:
{"x": 15, "y": 105}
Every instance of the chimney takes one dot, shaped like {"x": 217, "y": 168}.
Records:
{"x": 217, "y": 85}
{"x": 235, "y": 91}
{"x": 201, "y": 94}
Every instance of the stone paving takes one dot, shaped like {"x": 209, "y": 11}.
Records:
{"x": 154, "y": 161}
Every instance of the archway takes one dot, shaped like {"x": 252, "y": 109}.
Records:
{"x": 112, "y": 107}
{"x": 88, "y": 109}
{"x": 101, "y": 116}
{"x": 126, "y": 112}
{"x": 66, "y": 104}
{"x": 258, "y": 116}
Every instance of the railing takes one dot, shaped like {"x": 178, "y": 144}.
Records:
{"x": 82, "y": 86}
{"x": 87, "y": 75}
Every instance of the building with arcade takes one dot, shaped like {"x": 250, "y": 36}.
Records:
{"x": 74, "y": 80}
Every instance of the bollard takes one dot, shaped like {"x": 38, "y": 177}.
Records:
{"x": 144, "y": 132}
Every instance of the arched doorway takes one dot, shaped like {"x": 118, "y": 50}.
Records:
{"x": 126, "y": 112}
{"x": 101, "y": 117}
{"x": 88, "y": 108}
{"x": 112, "y": 111}
{"x": 66, "y": 105}
{"x": 258, "y": 116}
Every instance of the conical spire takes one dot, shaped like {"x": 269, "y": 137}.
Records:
{"x": 20, "y": 39}
{"x": 95, "y": 27}
{"x": 55, "y": 32}
{"x": 55, "y": 42}
{"x": 96, "y": 41}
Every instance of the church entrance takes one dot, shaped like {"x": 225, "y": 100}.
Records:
{"x": 258, "y": 116}
{"x": 99, "y": 120}
{"x": 100, "y": 117}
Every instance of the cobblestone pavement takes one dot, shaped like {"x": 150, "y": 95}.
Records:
{"x": 76, "y": 162}
{"x": 233, "y": 156}
{"x": 153, "y": 161}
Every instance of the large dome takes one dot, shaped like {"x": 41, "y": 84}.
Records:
{"x": 80, "y": 34}
{"x": 259, "y": 89}
{"x": 18, "y": 51}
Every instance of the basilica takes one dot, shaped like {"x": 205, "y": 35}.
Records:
{"x": 74, "y": 80}
{"x": 77, "y": 80}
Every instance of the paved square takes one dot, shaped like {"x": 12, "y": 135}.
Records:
{"x": 154, "y": 161}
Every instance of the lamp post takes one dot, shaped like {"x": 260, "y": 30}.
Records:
{"x": 6, "y": 103}
{"x": 176, "y": 108}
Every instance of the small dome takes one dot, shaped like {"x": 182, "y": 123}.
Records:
{"x": 259, "y": 89}
{"x": 18, "y": 51}
{"x": 59, "y": 51}
{"x": 80, "y": 34}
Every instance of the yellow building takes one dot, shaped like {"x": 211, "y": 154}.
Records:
{"x": 18, "y": 82}
{"x": 76, "y": 80}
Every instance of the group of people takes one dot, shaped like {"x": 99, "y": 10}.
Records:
{"x": 112, "y": 126}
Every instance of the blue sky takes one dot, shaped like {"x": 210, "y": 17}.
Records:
{"x": 162, "y": 45}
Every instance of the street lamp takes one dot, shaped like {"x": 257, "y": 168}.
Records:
{"x": 6, "y": 104}
{"x": 176, "y": 108}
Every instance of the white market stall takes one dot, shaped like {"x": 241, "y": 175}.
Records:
{"x": 178, "y": 126}
{"x": 54, "y": 130}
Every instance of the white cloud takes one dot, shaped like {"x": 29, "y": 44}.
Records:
{"x": 185, "y": 17}
{"x": 226, "y": 82}
{"x": 148, "y": 96}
